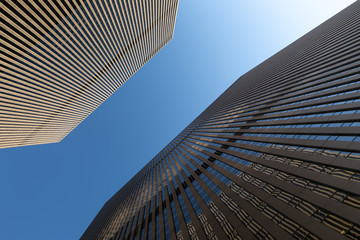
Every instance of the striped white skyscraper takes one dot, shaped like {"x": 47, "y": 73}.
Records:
{"x": 61, "y": 59}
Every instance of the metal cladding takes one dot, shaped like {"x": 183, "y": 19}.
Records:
{"x": 61, "y": 59}
{"x": 276, "y": 156}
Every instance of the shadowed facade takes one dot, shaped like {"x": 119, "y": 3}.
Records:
{"x": 276, "y": 156}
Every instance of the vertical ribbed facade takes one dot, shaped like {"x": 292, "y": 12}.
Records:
{"x": 276, "y": 156}
{"x": 61, "y": 59}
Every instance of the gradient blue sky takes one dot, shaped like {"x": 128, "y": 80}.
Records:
{"x": 53, "y": 191}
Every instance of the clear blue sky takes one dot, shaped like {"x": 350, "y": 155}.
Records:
{"x": 53, "y": 191}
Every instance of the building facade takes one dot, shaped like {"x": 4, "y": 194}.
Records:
{"x": 276, "y": 156}
{"x": 61, "y": 59}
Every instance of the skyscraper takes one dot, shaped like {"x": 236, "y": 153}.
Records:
{"x": 276, "y": 156}
{"x": 61, "y": 59}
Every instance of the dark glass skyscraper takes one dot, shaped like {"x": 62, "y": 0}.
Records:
{"x": 276, "y": 156}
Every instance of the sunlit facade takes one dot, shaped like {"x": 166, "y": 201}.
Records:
{"x": 61, "y": 59}
{"x": 276, "y": 156}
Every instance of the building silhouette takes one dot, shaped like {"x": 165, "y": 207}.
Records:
{"x": 276, "y": 156}
{"x": 61, "y": 59}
